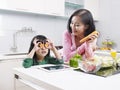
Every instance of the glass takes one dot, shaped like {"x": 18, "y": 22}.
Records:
{"x": 113, "y": 54}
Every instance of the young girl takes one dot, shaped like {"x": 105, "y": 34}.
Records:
{"x": 80, "y": 24}
{"x": 39, "y": 52}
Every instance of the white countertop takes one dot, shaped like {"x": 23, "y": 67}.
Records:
{"x": 4, "y": 57}
{"x": 103, "y": 52}
{"x": 21, "y": 55}
{"x": 68, "y": 79}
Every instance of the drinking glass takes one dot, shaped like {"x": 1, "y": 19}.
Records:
{"x": 114, "y": 56}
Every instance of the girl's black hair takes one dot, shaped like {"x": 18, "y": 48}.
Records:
{"x": 86, "y": 18}
{"x": 39, "y": 38}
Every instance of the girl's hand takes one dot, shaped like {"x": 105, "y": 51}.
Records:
{"x": 51, "y": 46}
{"x": 35, "y": 48}
{"x": 35, "y": 45}
{"x": 54, "y": 50}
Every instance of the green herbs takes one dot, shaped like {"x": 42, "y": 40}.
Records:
{"x": 74, "y": 61}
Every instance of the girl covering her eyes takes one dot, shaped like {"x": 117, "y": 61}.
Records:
{"x": 43, "y": 44}
{"x": 39, "y": 52}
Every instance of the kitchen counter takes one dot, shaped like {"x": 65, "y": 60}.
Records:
{"x": 23, "y": 55}
{"x": 65, "y": 80}
{"x": 11, "y": 57}
{"x": 103, "y": 52}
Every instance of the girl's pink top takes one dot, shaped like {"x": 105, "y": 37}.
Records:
{"x": 69, "y": 48}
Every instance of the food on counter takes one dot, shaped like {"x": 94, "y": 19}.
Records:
{"x": 73, "y": 63}
{"x": 113, "y": 54}
{"x": 107, "y": 42}
{"x": 118, "y": 61}
{"x": 93, "y": 65}
{"x": 105, "y": 48}
{"x": 107, "y": 61}
{"x": 105, "y": 71}
{"x": 75, "y": 60}
{"x": 87, "y": 37}
{"x": 90, "y": 66}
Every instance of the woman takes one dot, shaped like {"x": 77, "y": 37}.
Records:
{"x": 80, "y": 24}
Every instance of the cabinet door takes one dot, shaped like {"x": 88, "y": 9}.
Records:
{"x": 52, "y": 7}
{"x": 73, "y": 5}
{"x": 6, "y": 73}
{"x": 26, "y": 5}
{"x": 93, "y": 6}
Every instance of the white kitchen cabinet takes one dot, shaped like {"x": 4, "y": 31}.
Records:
{"x": 6, "y": 73}
{"x": 93, "y": 6}
{"x": 50, "y": 7}
{"x": 54, "y": 7}
{"x": 73, "y": 5}
{"x": 22, "y": 85}
{"x": 35, "y": 6}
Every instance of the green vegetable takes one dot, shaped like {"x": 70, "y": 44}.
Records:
{"x": 77, "y": 56}
{"x": 105, "y": 71}
{"x": 74, "y": 61}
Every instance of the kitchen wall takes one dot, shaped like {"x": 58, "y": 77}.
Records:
{"x": 109, "y": 18}
{"x": 51, "y": 26}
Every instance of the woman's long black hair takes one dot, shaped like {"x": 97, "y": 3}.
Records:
{"x": 39, "y": 38}
{"x": 86, "y": 18}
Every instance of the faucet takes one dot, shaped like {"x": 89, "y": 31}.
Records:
{"x": 24, "y": 30}
{"x": 14, "y": 47}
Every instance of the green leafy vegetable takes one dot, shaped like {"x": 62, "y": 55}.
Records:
{"x": 74, "y": 61}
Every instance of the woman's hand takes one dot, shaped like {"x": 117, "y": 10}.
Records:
{"x": 92, "y": 38}
{"x": 92, "y": 41}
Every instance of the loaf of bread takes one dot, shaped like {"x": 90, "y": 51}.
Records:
{"x": 87, "y": 37}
